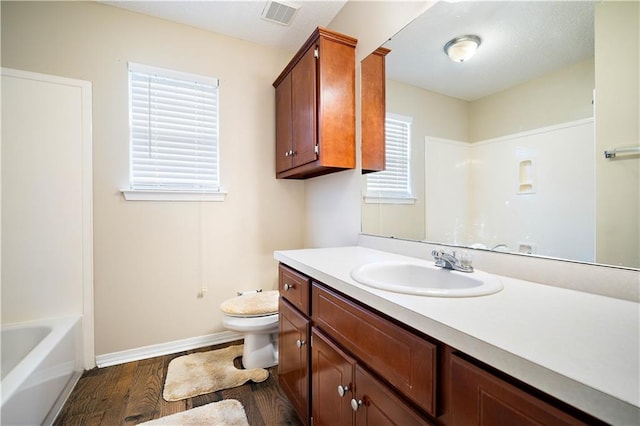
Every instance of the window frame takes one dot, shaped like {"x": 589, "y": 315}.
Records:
{"x": 404, "y": 196}
{"x": 165, "y": 192}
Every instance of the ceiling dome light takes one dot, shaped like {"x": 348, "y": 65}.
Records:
{"x": 462, "y": 48}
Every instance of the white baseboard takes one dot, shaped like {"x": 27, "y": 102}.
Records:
{"x": 145, "y": 352}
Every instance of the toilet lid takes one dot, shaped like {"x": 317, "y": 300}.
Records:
{"x": 253, "y": 304}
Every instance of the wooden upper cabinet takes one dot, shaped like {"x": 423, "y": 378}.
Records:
{"x": 373, "y": 111}
{"x": 315, "y": 108}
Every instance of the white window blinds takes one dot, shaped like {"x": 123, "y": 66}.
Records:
{"x": 394, "y": 181}
{"x": 174, "y": 130}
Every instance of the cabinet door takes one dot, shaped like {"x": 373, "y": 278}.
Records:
{"x": 332, "y": 381}
{"x": 293, "y": 358}
{"x": 376, "y": 404}
{"x": 303, "y": 109}
{"x": 480, "y": 398}
{"x": 336, "y": 103}
{"x": 373, "y": 111}
{"x": 283, "y": 125}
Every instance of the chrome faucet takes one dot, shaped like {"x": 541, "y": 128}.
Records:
{"x": 450, "y": 261}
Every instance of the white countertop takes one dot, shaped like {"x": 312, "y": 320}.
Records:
{"x": 582, "y": 348}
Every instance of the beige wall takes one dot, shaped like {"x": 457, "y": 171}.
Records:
{"x": 555, "y": 98}
{"x": 617, "y": 125}
{"x": 152, "y": 258}
{"x": 433, "y": 115}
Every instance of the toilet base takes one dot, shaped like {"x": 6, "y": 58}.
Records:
{"x": 260, "y": 350}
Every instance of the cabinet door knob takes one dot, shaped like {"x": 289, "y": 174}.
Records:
{"x": 342, "y": 390}
{"x": 300, "y": 343}
{"x": 356, "y": 404}
{"x": 287, "y": 287}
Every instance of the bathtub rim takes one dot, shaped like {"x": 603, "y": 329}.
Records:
{"x": 60, "y": 327}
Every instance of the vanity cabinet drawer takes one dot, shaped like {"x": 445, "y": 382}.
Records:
{"x": 481, "y": 398}
{"x": 404, "y": 359}
{"x": 294, "y": 287}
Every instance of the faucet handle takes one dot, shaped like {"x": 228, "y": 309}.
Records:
{"x": 438, "y": 252}
{"x": 466, "y": 259}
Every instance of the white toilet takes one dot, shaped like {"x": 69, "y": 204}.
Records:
{"x": 255, "y": 315}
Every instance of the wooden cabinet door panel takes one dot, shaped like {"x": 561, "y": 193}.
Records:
{"x": 373, "y": 111}
{"x": 331, "y": 368}
{"x": 336, "y": 104}
{"x": 295, "y": 288}
{"x": 377, "y": 404}
{"x": 303, "y": 107}
{"x": 283, "y": 125}
{"x": 293, "y": 358}
{"x": 480, "y": 398}
{"x": 405, "y": 360}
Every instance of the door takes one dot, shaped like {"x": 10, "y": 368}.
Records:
{"x": 283, "y": 125}
{"x": 332, "y": 381}
{"x": 304, "y": 109}
{"x": 376, "y": 404}
{"x": 293, "y": 358}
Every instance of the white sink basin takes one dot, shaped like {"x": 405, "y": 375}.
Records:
{"x": 425, "y": 279}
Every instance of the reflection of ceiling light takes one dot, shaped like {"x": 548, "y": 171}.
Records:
{"x": 462, "y": 48}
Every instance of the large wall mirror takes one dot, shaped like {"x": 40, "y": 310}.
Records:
{"x": 507, "y": 147}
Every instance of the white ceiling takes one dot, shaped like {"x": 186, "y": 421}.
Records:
{"x": 242, "y": 18}
{"x": 521, "y": 40}
{"x": 553, "y": 33}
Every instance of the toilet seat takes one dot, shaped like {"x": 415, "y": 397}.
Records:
{"x": 252, "y": 305}
{"x": 262, "y": 323}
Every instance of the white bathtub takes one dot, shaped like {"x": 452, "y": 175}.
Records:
{"x": 41, "y": 363}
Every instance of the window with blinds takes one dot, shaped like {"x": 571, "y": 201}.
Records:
{"x": 174, "y": 131}
{"x": 394, "y": 182}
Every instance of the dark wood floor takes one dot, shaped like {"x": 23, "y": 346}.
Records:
{"x": 131, "y": 393}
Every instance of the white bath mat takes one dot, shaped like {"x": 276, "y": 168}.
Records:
{"x": 228, "y": 412}
{"x": 206, "y": 372}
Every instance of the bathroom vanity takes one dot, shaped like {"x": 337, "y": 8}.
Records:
{"x": 529, "y": 354}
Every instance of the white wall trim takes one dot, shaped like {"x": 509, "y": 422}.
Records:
{"x": 151, "y": 351}
{"x": 143, "y": 195}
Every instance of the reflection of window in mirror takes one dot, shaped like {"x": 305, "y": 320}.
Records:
{"x": 393, "y": 185}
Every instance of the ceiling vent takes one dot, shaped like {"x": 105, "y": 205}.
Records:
{"x": 279, "y": 12}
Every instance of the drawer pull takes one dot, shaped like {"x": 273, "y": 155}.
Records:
{"x": 342, "y": 390}
{"x": 356, "y": 404}
{"x": 288, "y": 287}
{"x": 300, "y": 343}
